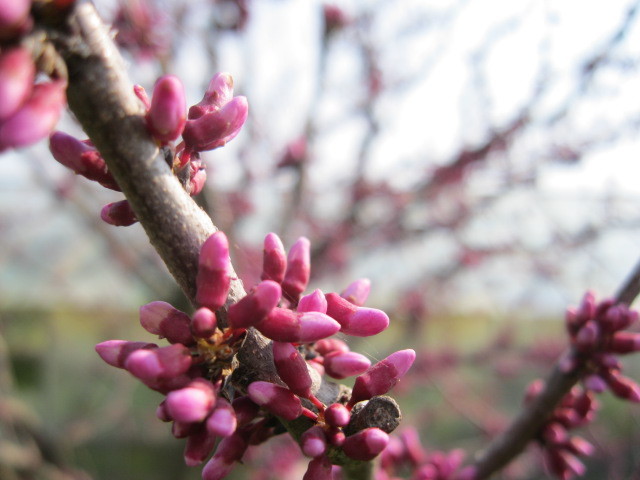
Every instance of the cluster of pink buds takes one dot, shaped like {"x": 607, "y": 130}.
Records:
{"x": 28, "y": 110}
{"x": 406, "y": 453}
{"x": 334, "y": 18}
{"x": 219, "y": 118}
{"x": 597, "y": 337}
{"x": 561, "y": 449}
{"x": 142, "y": 28}
{"x": 194, "y": 371}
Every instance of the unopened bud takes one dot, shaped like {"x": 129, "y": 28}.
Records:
{"x": 17, "y": 72}
{"x": 314, "y": 302}
{"x": 345, "y": 364}
{"x": 278, "y": 400}
{"x": 222, "y": 421}
{"x": 118, "y": 214}
{"x": 366, "y": 444}
{"x": 115, "y": 352}
{"x": 213, "y": 279}
{"x": 161, "y": 318}
{"x": 337, "y": 415}
{"x": 203, "y": 323}
{"x": 199, "y": 446}
{"x": 357, "y": 292}
{"x": 274, "y": 263}
{"x": 296, "y": 277}
{"x": 229, "y": 451}
{"x": 167, "y": 113}
{"x": 319, "y": 468}
{"x": 313, "y": 442}
{"x": 192, "y": 403}
{"x": 354, "y": 320}
{"x": 255, "y": 306}
{"x": 292, "y": 368}
{"x": 382, "y": 376}
{"x": 285, "y": 325}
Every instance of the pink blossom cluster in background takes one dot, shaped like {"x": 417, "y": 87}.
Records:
{"x": 194, "y": 370}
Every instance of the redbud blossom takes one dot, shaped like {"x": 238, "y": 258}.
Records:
{"x": 246, "y": 410}
{"x": 319, "y": 468}
{"x": 161, "y": 318}
{"x": 118, "y": 214}
{"x": 36, "y": 117}
{"x": 345, "y": 364}
{"x": 203, "y": 323}
{"x": 313, "y": 442}
{"x": 115, "y": 352}
{"x": 285, "y": 325}
{"x": 292, "y": 368}
{"x": 354, "y": 320}
{"x": 229, "y": 451}
{"x": 219, "y": 92}
{"x": 625, "y": 342}
{"x": 366, "y": 444}
{"x": 167, "y": 113}
{"x": 192, "y": 403}
{"x": 160, "y": 363}
{"x": 278, "y": 400}
{"x": 314, "y": 302}
{"x": 17, "y": 72}
{"x": 222, "y": 421}
{"x": 82, "y": 158}
{"x": 298, "y": 271}
{"x": 623, "y": 387}
{"x": 357, "y": 292}
{"x": 213, "y": 279}
{"x": 328, "y": 345}
{"x": 337, "y": 415}
{"x": 274, "y": 262}
{"x": 382, "y": 376}
{"x": 255, "y": 306}
{"x": 199, "y": 446}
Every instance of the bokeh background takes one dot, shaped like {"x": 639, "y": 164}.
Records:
{"x": 478, "y": 161}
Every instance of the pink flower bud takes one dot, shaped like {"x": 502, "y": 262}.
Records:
{"x": 161, "y": 318}
{"x": 563, "y": 464}
{"x": 17, "y": 72}
{"x": 218, "y": 94}
{"x": 356, "y": 321}
{"x": 82, "y": 158}
{"x": 115, "y": 352}
{"x": 292, "y": 368}
{"x": 215, "y": 129}
{"x": 345, "y": 364}
{"x": 296, "y": 277}
{"x": 13, "y": 15}
{"x": 313, "y": 442}
{"x": 319, "y": 468}
{"x": 587, "y": 309}
{"x": 160, "y": 363}
{"x": 337, "y": 415}
{"x": 284, "y": 325}
{"x": 36, "y": 117}
{"x": 167, "y": 113}
{"x": 255, "y": 307}
{"x": 357, "y": 292}
{"x": 335, "y": 437}
{"x": 213, "y": 279}
{"x": 246, "y": 410}
{"x": 141, "y": 93}
{"x": 222, "y": 421}
{"x": 192, "y": 403}
{"x": 588, "y": 337}
{"x": 623, "y": 387}
{"x": 199, "y": 445}
{"x": 579, "y": 446}
{"x": 203, "y": 323}
{"x": 314, "y": 302}
{"x": 278, "y": 400}
{"x": 595, "y": 383}
{"x": 382, "y": 376}
{"x": 555, "y": 434}
{"x": 274, "y": 262}
{"x": 328, "y": 345}
{"x": 366, "y": 444}
{"x": 229, "y": 451}
{"x": 624, "y": 342}
{"x": 118, "y": 214}
{"x": 412, "y": 446}
{"x": 197, "y": 178}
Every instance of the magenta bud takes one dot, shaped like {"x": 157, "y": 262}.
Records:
{"x": 246, "y": 410}
{"x": 219, "y": 93}
{"x": 595, "y": 383}
{"x": 17, "y": 72}
{"x": 158, "y": 364}
{"x": 533, "y": 390}
{"x": 36, "y": 117}
{"x": 222, "y": 421}
{"x": 314, "y": 302}
{"x": 354, "y": 320}
{"x": 197, "y": 179}
{"x": 382, "y": 376}
{"x": 412, "y": 446}
{"x": 345, "y": 364}
{"x": 357, "y": 292}
{"x": 555, "y": 434}
{"x": 588, "y": 337}
{"x": 337, "y": 415}
{"x": 214, "y": 129}
{"x": 278, "y": 400}
{"x": 203, "y": 323}
{"x": 284, "y": 325}
{"x": 274, "y": 262}
{"x": 214, "y": 266}
{"x": 192, "y": 403}
{"x": 162, "y": 414}
{"x": 313, "y": 442}
{"x": 329, "y": 345}
{"x": 115, "y": 352}
{"x": 161, "y": 318}
{"x": 587, "y": 309}
{"x": 82, "y": 158}
{"x": 13, "y": 15}
{"x": 229, "y": 451}
{"x": 298, "y": 270}
{"x": 319, "y": 468}
{"x": 255, "y": 306}
{"x": 199, "y": 446}
{"x": 623, "y": 387}
{"x": 292, "y": 368}
{"x": 336, "y": 437}
{"x": 167, "y": 113}
{"x": 624, "y": 342}
{"x": 118, "y": 214}
{"x": 366, "y": 444}
{"x": 579, "y": 446}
